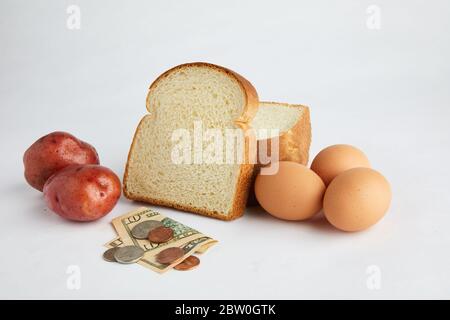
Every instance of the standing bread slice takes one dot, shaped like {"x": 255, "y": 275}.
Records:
{"x": 180, "y": 100}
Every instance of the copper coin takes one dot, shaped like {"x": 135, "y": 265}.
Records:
{"x": 188, "y": 264}
{"x": 160, "y": 235}
{"x": 169, "y": 255}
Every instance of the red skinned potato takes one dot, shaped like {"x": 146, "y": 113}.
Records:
{"x": 82, "y": 192}
{"x": 54, "y": 152}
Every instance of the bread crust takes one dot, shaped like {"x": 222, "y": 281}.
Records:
{"x": 244, "y": 180}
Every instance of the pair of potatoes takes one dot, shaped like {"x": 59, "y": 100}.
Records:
{"x": 67, "y": 170}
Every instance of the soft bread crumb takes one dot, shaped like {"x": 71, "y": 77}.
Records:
{"x": 274, "y": 116}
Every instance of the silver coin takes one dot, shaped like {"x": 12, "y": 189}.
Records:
{"x": 141, "y": 230}
{"x": 108, "y": 255}
{"x": 128, "y": 254}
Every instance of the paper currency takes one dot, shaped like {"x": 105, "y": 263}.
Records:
{"x": 189, "y": 240}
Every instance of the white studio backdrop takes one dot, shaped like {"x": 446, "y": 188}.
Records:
{"x": 376, "y": 74}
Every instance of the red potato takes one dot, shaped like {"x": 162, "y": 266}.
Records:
{"x": 54, "y": 152}
{"x": 82, "y": 192}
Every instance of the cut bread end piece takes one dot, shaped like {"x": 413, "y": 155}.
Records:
{"x": 215, "y": 98}
{"x": 294, "y": 126}
{"x": 293, "y": 123}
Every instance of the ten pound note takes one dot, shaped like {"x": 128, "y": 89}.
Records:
{"x": 189, "y": 240}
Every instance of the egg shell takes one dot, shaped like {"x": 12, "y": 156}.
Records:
{"x": 357, "y": 199}
{"x": 335, "y": 159}
{"x": 293, "y": 193}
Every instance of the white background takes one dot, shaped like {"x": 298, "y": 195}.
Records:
{"x": 384, "y": 90}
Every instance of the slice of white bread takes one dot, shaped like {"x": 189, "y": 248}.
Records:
{"x": 293, "y": 123}
{"x": 220, "y": 99}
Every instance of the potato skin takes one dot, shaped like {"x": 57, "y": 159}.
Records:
{"x": 82, "y": 192}
{"x": 54, "y": 152}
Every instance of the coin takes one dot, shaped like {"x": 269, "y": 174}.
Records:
{"x": 128, "y": 254}
{"x": 141, "y": 230}
{"x": 160, "y": 235}
{"x": 188, "y": 264}
{"x": 169, "y": 255}
{"x": 108, "y": 255}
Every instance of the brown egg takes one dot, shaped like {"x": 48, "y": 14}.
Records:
{"x": 357, "y": 199}
{"x": 293, "y": 193}
{"x": 336, "y": 159}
